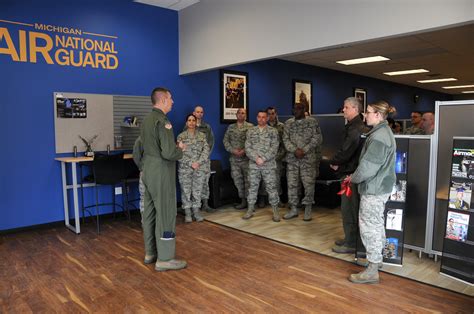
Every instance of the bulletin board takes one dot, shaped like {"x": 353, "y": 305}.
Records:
{"x": 86, "y": 115}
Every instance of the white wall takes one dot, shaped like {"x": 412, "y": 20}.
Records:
{"x": 217, "y": 33}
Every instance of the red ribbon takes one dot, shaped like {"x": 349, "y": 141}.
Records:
{"x": 346, "y": 187}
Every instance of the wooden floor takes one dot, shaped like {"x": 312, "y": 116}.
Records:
{"x": 319, "y": 234}
{"x": 229, "y": 271}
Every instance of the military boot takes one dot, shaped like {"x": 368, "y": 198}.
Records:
{"x": 205, "y": 206}
{"x": 242, "y": 205}
{"x": 276, "y": 213}
{"x": 292, "y": 213}
{"x": 307, "y": 213}
{"x": 173, "y": 264}
{"x": 188, "y": 218}
{"x": 368, "y": 275}
{"x": 364, "y": 262}
{"x": 249, "y": 213}
{"x": 197, "y": 215}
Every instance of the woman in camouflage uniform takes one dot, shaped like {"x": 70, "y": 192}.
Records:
{"x": 192, "y": 168}
{"x": 375, "y": 176}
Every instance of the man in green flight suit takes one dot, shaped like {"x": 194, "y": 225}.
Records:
{"x": 159, "y": 178}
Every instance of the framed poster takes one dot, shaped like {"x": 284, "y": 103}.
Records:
{"x": 303, "y": 93}
{"x": 361, "y": 94}
{"x": 234, "y": 94}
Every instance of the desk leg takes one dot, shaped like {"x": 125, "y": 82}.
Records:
{"x": 65, "y": 198}
{"x": 75, "y": 198}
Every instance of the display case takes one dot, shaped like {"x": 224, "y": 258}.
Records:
{"x": 458, "y": 241}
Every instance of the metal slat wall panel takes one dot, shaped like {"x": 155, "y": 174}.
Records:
{"x": 126, "y": 106}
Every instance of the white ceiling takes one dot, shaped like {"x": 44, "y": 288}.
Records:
{"x": 169, "y": 4}
{"x": 445, "y": 53}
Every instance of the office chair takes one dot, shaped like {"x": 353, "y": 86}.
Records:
{"x": 221, "y": 186}
{"x": 106, "y": 170}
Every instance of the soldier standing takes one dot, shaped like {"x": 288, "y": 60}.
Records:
{"x": 302, "y": 138}
{"x": 207, "y": 130}
{"x": 345, "y": 162}
{"x": 193, "y": 169}
{"x": 416, "y": 124}
{"x": 261, "y": 148}
{"x": 159, "y": 178}
{"x": 234, "y": 143}
{"x": 281, "y": 154}
{"x": 375, "y": 176}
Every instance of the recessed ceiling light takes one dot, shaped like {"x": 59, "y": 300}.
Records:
{"x": 468, "y": 92}
{"x": 459, "y": 86}
{"x": 438, "y": 80}
{"x": 404, "y": 72}
{"x": 363, "y": 60}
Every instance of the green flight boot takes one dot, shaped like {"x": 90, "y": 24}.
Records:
{"x": 307, "y": 213}
{"x": 276, "y": 214}
{"x": 368, "y": 275}
{"x": 197, "y": 215}
{"x": 187, "y": 216}
{"x": 249, "y": 213}
{"x": 292, "y": 213}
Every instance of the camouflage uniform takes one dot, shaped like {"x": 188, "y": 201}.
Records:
{"x": 263, "y": 143}
{"x": 375, "y": 177}
{"x": 281, "y": 154}
{"x": 371, "y": 224}
{"x": 304, "y": 134}
{"x": 191, "y": 180}
{"x": 413, "y": 130}
{"x": 137, "y": 158}
{"x": 234, "y": 138}
{"x": 209, "y": 135}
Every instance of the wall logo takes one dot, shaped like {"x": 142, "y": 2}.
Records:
{"x": 68, "y": 47}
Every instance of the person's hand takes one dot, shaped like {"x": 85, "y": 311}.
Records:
{"x": 237, "y": 152}
{"x": 242, "y": 152}
{"x": 299, "y": 153}
{"x": 195, "y": 165}
{"x": 182, "y": 146}
{"x": 334, "y": 167}
{"x": 259, "y": 161}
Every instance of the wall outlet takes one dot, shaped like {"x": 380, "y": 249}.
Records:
{"x": 118, "y": 190}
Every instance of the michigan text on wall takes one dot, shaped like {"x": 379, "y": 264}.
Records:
{"x": 69, "y": 47}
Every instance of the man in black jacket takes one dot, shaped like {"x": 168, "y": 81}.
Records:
{"x": 345, "y": 162}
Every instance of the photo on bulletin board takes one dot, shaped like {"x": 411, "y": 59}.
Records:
{"x": 361, "y": 94}
{"x": 456, "y": 226}
{"x": 303, "y": 93}
{"x": 234, "y": 94}
{"x": 460, "y": 195}
{"x": 71, "y": 108}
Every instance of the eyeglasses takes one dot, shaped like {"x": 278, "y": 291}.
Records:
{"x": 367, "y": 112}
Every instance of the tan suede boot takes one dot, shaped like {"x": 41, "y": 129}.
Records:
{"x": 368, "y": 275}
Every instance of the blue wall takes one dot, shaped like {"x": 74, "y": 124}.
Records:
{"x": 30, "y": 184}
